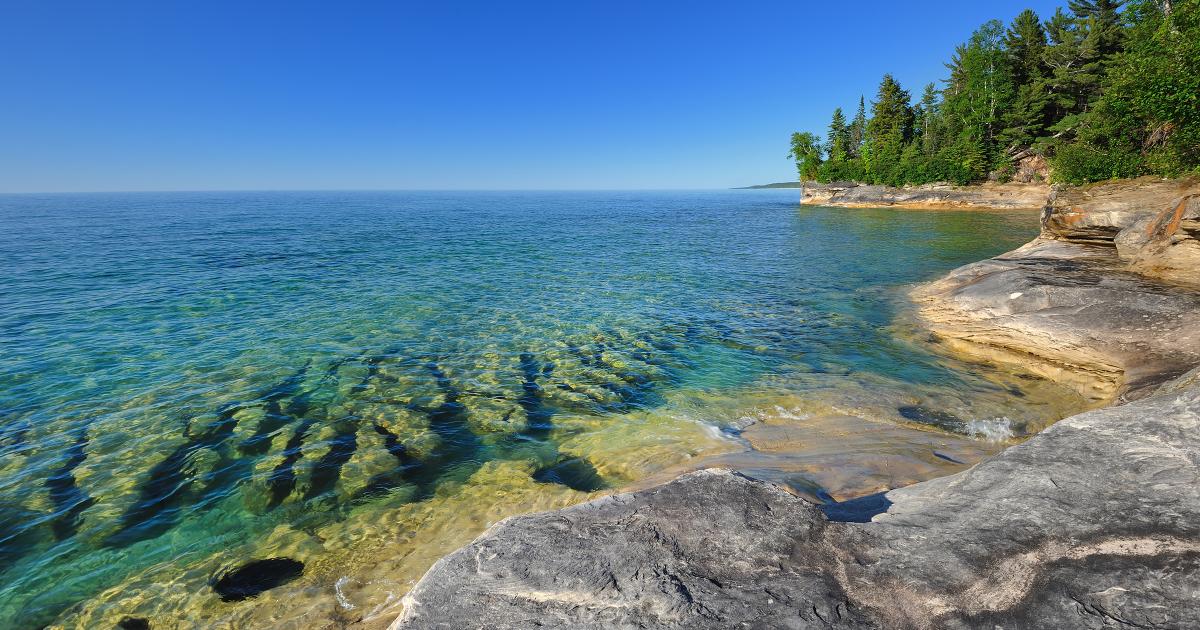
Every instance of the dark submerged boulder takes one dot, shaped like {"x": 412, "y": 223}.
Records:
{"x": 256, "y": 576}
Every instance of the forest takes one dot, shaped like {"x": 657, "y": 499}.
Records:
{"x": 1102, "y": 89}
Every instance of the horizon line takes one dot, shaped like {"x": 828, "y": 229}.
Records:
{"x": 315, "y": 190}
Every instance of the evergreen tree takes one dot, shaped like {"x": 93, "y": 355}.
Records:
{"x": 1103, "y": 17}
{"x": 838, "y": 137}
{"x": 858, "y": 128}
{"x": 1110, "y": 90}
{"x": 1066, "y": 58}
{"x": 888, "y": 130}
{"x": 1030, "y": 113}
{"x": 1148, "y": 118}
{"x": 926, "y": 121}
{"x": 978, "y": 95}
{"x": 1025, "y": 45}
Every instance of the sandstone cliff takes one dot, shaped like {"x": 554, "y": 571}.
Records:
{"x": 1011, "y": 196}
{"x": 1086, "y": 303}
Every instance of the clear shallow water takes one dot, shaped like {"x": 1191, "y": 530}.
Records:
{"x": 363, "y": 381}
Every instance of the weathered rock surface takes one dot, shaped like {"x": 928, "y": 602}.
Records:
{"x": 1071, "y": 313}
{"x": 1094, "y": 523}
{"x": 1152, "y": 224}
{"x": 1011, "y": 196}
{"x": 1085, "y": 303}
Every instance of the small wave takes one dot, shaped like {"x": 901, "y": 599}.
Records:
{"x": 342, "y": 600}
{"x": 993, "y": 430}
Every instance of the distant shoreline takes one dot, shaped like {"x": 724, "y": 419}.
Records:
{"x": 775, "y": 185}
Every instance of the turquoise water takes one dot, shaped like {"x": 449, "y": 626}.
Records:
{"x": 192, "y": 380}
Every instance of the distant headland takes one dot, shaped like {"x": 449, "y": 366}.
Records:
{"x": 775, "y": 185}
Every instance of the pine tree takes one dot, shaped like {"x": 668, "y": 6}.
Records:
{"x": 1147, "y": 120}
{"x": 1029, "y": 115}
{"x": 858, "y": 128}
{"x": 1103, "y": 17}
{"x": 1067, "y": 60}
{"x": 1025, "y": 45}
{"x": 1109, "y": 90}
{"x": 889, "y": 129}
{"x": 890, "y": 112}
{"x": 838, "y": 137}
{"x": 926, "y": 118}
{"x": 977, "y": 96}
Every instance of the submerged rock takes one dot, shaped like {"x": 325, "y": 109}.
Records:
{"x": 575, "y": 473}
{"x": 257, "y": 576}
{"x": 1096, "y": 519}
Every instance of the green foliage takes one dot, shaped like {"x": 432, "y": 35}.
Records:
{"x": 858, "y": 128}
{"x": 806, "y": 151}
{"x": 1148, "y": 118}
{"x": 839, "y": 137}
{"x": 1079, "y": 163}
{"x": 888, "y": 131}
{"x": 1108, "y": 88}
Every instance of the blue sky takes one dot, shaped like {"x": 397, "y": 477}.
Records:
{"x": 173, "y": 95}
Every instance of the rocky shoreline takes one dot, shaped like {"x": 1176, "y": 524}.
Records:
{"x": 1092, "y": 523}
{"x": 1011, "y": 196}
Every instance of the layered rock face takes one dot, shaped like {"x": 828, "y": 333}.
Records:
{"x": 1012, "y": 196}
{"x": 1094, "y": 523}
{"x": 1153, "y": 225}
{"x": 1105, "y": 299}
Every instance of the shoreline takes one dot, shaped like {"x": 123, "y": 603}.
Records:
{"x": 987, "y": 196}
{"x": 1095, "y": 301}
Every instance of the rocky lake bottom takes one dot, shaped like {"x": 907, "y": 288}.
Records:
{"x": 203, "y": 395}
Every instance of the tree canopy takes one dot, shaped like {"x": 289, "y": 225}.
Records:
{"x": 1101, "y": 89}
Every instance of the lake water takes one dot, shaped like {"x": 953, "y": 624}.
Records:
{"x": 364, "y": 381}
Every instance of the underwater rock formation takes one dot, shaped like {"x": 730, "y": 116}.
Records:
{"x": 1061, "y": 531}
{"x": 252, "y": 578}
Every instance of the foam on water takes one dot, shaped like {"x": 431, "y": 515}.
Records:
{"x": 992, "y": 430}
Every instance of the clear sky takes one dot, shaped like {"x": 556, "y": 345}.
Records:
{"x": 175, "y": 95}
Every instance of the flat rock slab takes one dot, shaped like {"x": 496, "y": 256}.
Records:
{"x": 1093, "y": 523}
{"x": 1070, "y": 312}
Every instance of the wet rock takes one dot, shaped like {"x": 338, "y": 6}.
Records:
{"x": 1094, "y": 520}
{"x": 935, "y": 417}
{"x": 134, "y": 623}
{"x": 575, "y": 473}
{"x": 255, "y": 577}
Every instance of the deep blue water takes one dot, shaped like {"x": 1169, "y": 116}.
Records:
{"x": 182, "y": 374}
